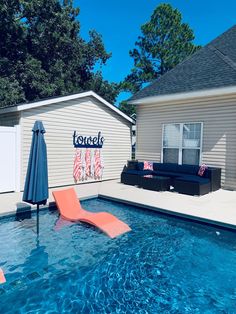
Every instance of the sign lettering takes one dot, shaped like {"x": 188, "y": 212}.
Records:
{"x": 80, "y": 141}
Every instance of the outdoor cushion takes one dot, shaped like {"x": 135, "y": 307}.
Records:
{"x": 190, "y": 169}
{"x": 156, "y": 166}
{"x": 140, "y": 166}
{"x": 132, "y": 164}
{"x": 138, "y": 172}
{"x": 167, "y": 174}
{"x": 191, "y": 178}
{"x": 207, "y": 173}
{"x": 170, "y": 167}
{"x": 167, "y": 167}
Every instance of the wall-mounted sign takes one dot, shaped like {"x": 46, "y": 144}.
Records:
{"x": 80, "y": 141}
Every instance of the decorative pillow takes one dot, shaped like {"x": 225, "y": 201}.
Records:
{"x": 147, "y": 165}
{"x": 202, "y": 169}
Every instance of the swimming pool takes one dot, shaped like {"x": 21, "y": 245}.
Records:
{"x": 164, "y": 265}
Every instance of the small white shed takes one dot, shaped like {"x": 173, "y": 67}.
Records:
{"x": 85, "y": 114}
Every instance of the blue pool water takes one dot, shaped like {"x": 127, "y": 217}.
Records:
{"x": 165, "y": 265}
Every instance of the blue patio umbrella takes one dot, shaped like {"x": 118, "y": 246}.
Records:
{"x": 36, "y": 181}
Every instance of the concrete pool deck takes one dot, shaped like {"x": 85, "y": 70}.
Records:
{"x": 217, "y": 208}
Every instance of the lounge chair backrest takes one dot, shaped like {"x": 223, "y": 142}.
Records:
{"x": 67, "y": 202}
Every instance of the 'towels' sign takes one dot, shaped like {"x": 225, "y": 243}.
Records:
{"x": 80, "y": 141}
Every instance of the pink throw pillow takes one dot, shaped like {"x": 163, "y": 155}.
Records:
{"x": 202, "y": 169}
{"x": 147, "y": 165}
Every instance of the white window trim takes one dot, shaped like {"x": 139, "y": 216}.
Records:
{"x": 180, "y": 142}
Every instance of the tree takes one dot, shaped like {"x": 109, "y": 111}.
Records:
{"x": 165, "y": 41}
{"x": 43, "y": 54}
{"x": 10, "y": 92}
{"x": 127, "y": 108}
{"x": 107, "y": 90}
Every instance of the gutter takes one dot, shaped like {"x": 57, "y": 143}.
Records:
{"x": 208, "y": 93}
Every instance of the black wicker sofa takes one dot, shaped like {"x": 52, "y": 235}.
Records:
{"x": 183, "y": 178}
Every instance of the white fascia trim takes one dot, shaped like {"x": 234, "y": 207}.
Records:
{"x": 114, "y": 108}
{"x": 216, "y": 92}
{"x": 65, "y": 98}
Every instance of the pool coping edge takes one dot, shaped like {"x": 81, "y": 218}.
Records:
{"x": 211, "y": 222}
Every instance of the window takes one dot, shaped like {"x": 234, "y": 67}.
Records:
{"x": 182, "y": 143}
{"x": 171, "y": 142}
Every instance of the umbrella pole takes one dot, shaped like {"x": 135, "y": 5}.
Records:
{"x": 37, "y": 219}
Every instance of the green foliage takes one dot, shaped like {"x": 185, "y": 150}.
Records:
{"x": 107, "y": 90}
{"x": 10, "y": 92}
{"x": 42, "y": 53}
{"x": 165, "y": 41}
{"x": 127, "y": 108}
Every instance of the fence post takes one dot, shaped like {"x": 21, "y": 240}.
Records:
{"x": 18, "y": 158}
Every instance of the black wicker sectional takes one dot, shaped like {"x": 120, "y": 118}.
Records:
{"x": 184, "y": 178}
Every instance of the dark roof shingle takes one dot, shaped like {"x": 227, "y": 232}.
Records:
{"x": 212, "y": 66}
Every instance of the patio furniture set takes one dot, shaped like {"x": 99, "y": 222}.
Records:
{"x": 185, "y": 179}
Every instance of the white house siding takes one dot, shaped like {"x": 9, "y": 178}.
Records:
{"x": 10, "y": 119}
{"x": 87, "y": 117}
{"x": 219, "y": 131}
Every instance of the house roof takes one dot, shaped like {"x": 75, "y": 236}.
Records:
{"x": 211, "y": 67}
{"x": 54, "y": 100}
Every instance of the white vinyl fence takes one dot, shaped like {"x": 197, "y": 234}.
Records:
{"x": 9, "y": 159}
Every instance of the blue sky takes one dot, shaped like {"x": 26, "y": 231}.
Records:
{"x": 119, "y": 24}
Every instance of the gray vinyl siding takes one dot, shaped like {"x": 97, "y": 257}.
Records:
{"x": 86, "y": 117}
{"x": 219, "y": 131}
{"x": 10, "y": 119}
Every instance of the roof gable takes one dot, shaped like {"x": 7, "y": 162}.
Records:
{"x": 213, "y": 66}
{"x": 35, "y": 104}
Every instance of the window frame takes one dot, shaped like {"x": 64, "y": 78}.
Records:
{"x": 181, "y": 147}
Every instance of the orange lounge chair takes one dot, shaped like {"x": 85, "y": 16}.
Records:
{"x": 2, "y": 277}
{"x": 70, "y": 209}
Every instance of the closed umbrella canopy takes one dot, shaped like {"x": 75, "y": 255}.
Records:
{"x": 36, "y": 182}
